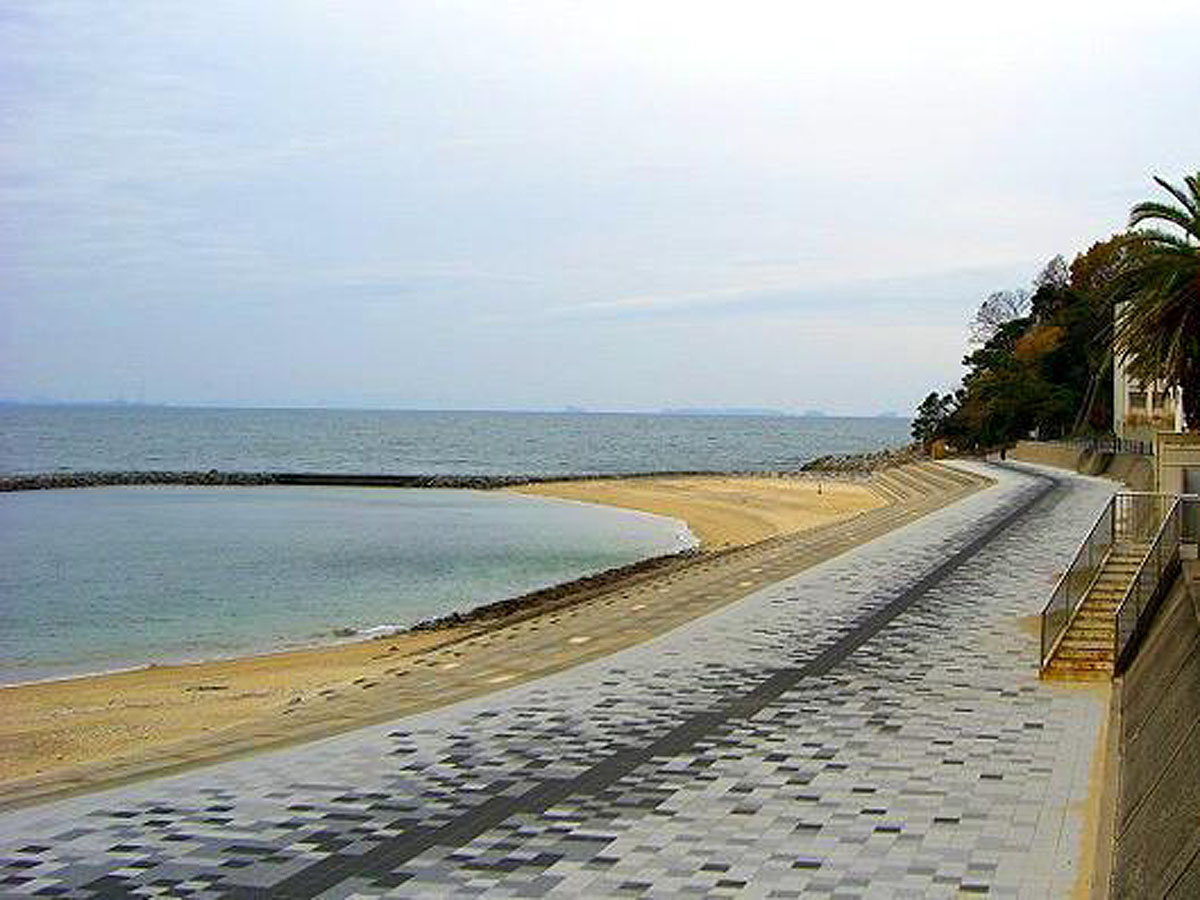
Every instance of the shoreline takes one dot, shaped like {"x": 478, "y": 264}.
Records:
{"x": 530, "y": 602}
{"x": 53, "y": 727}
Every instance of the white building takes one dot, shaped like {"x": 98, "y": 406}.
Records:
{"x": 1140, "y": 411}
{"x": 1154, "y": 414}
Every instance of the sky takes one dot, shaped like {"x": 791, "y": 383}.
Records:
{"x": 533, "y": 205}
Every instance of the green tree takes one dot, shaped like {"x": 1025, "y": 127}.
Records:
{"x": 1092, "y": 276}
{"x": 930, "y": 421}
{"x": 1158, "y": 323}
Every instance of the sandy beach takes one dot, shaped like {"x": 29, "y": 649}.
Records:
{"x": 724, "y": 511}
{"x": 203, "y": 710}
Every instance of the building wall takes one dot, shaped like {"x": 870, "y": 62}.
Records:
{"x": 1160, "y": 410}
{"x": 1177, "y": 462}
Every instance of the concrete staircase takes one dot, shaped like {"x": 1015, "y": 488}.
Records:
{"x": 920, "y": 481}
{"x": 1086, "y": 650}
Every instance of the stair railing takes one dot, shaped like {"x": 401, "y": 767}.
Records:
{"x": 1153, "y": 578}
{"x": 1138, "y": 515}
{"x": 1073, "y": 586}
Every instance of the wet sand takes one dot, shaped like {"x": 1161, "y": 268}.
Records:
{"x": 127, "y": 724}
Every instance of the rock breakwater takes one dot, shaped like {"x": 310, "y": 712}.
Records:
{"x": 849, "y": 467}
{"x": 865, "y": 463}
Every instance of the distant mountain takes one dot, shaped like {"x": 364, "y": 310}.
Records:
{"x": 815, "y": 414}
{"x": 723, "y": 411}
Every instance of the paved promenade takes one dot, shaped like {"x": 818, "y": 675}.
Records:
{"x": 872, "y": 727}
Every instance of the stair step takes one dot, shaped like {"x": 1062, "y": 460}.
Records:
{"x": 913, "y": 485}
{"x": 936, "y": 475}
{"x": 1084, "y": 654}
{"x": 888, "y": 495}
{"x": 962, "y": 479}
{"x": 1073, "y": 656}
{"x": 1077, "y": 665}
{"x": 889, "y": 483}
{"x": 1092, "y": 627}
{"x": 1093, "y": 623}
{"x": 1076, "y": 674}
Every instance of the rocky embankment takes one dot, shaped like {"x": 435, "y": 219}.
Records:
{"x": 557, "y": 596}
{"x": 865, "y": 463}
{"x": 849, "y": 466}
{"x": 56, "y": 480}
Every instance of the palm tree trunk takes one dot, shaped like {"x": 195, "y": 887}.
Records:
{"x": 1089, "y": 398}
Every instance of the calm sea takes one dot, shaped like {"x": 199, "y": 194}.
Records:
{"x": 46, "y": 439}
{"x": 105, "y": 578}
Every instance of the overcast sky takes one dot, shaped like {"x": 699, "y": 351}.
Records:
{"x": 617, "y": 205}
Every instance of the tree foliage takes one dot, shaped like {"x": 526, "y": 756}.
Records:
{"x": 999, "y": 308}
{"x": 1040, "y": 360}
{"x": 1037, "y": 363}
{"x": 1158, "y": 287}
{"x": 932, "y": 415}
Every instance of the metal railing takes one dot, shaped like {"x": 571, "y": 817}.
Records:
{"x": 1180, "y": 525}
{"x": 1109, "y": 444}
{"x": 1138, "y": 515}
{"x": 1127, "y": 518}
{"x": 1148, "y": 585}
{"x": 1077, "y": 580}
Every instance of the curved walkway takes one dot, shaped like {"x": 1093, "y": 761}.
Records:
{"x": 873, "y": 726}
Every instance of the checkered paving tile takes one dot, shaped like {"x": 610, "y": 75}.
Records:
{"x": 872, "y": 727}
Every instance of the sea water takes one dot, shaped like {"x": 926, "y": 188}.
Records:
{"x": 107, "y": 578}
{"x": 47, "y": 439}
{"x": 103, "y": 578}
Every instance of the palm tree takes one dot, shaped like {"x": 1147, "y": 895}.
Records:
{"x": 1158, "y": 323}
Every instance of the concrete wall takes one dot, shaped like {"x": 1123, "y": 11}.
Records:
{"x": 1061, "y": 456}
{"x": 1156, "y": 848}
{"x": 1135, "y": 472}
{"x": 1176, "y": 455}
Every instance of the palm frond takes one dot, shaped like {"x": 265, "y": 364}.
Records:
{"x": 1154, "y": 211}
{"x": 1155, "y": 239}
{"x": 1190, "y": 203}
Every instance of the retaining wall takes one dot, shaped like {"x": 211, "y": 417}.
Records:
{"x": 1156, "y": 846}
{"x": 1135, "y": 472}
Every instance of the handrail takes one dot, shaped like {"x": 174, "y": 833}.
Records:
{"x": 1108, "y": 444}
{"x": 1150, "y": 581}
{"x": 1129, "y": 518}
{"x": 1139, "y": 515}
{"x": 1077, "y": 579}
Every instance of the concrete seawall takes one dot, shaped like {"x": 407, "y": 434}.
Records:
{"x": 1156, "y": 831}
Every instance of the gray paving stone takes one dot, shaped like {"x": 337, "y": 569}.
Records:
{"x": 927, "y": 762}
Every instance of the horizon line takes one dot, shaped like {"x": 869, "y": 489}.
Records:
{"x": 708, "y": 411}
